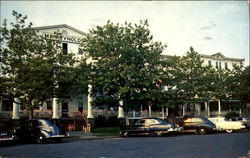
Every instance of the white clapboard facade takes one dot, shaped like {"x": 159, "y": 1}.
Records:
{"x": 71, "y": 43}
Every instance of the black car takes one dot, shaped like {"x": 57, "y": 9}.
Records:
{"x": 40, "y": 131}
{"x": 7, "y": 135}
{"x": 148, "y": 126}
{"x": 198, "y": 124}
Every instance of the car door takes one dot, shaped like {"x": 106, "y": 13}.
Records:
{"x": 188, "y": 124}
{"x": 139, "y": 127}
{"x": 151, "y": 125}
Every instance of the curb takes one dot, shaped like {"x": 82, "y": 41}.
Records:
{"x": 90, "y": 138}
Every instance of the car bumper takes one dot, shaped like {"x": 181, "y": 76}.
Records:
{"x": 177, "y": 129}
{"x": 58, "y": 136}
{"x": 6, "y": 139}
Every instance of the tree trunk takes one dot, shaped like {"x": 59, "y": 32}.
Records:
{"x": 126, "y": 118}
{"x": 30, "y": 111}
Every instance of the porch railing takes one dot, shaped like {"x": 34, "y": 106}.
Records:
{"x": 103, "y": 113}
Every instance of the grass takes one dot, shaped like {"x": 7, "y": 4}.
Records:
{"x": 106, "y": 131}
{"x": 73, "y": 137}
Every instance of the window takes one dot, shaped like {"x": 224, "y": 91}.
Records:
{"x": 140, "y": 122}
{"x": 80, "y": 106}
{"x": 188, "y": 120}
{"x": 65, "y": 48}
{"x": 196, "y": 120}
{"x": 150, "y": 122}
{"x": 49, "y": 105}
{"x": 234, "y": 65}
{"x": 216, "y": 65}
{"x": 65, "y": 107}
{"x": 7, "y": 105}
{"x": 80, "y": 51}
{"x": 226, "y": 66}
{"x": 219, "y": 65}
{"x": 209, "y": 63}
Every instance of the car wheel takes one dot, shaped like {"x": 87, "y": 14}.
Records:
{"x": 40, "y": 138}
{"x": 159, "y": 134}
{"x": 202, "y": 130}
{"x": 125, "y": 134}
{"x": 229, "y": 130}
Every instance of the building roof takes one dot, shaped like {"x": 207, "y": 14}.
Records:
{"x": 220, "y": 56}
{"x": 60, "y": 26}
{"x": 216, "y": 56}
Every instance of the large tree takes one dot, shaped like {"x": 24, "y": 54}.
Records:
{"x": 33, "y": 68}
{"x": 188, "y": 78}
{"x": 126, "y": 64}
{"x": 238, "y": 86}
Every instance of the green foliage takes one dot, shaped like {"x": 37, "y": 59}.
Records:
{"x": 32, "y": 68}
{"x": 188, "y": 79}
{"x": 238, "y": 85}
{"x": 126, "y": 63}
{"x": 231, "y": 115}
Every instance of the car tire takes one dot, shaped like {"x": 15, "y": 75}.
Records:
{"x": 229, "y": 130}
{"x": 40, "y": 138}
{"x": 202, "y": 131}
{"x": 125, "y": 134}
{"x": 159, "y": 134}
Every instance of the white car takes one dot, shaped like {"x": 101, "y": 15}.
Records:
{"x": 223, "y": 124}
{"x": 243, "y": 119}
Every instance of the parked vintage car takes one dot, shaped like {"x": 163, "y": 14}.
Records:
{"x": 7, "y": 135}
{"x": 223, "y": 124}
{"x": 198, "y": 124}
{"x": 40, "y": 131}
{"x": 151, "y": 125}
{"x": 242, "y": 119}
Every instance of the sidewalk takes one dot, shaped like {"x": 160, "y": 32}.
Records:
{"x": 79, "y": 135}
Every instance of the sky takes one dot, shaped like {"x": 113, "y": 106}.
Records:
{"x": 208, "y": 26}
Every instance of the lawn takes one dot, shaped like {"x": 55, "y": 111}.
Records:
{"x": 106, "y": 131}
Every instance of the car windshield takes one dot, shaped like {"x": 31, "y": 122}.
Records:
{"x": 160, "y": 120}
{"x": 46, "y": 122}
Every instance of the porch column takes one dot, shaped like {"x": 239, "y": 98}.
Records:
{"x": 149, "y": 111}
{"x": 1, "y": 105}
{"x": 219, "y": 108}
{"x": 120, "y": 110}
{"x": 90, "y": 112}
{"x": 56, "y": 108}
{"x": 198, "y": 108}
{"x": 163, "y": 116}
{"x": 16, "y": 108}
{"x": 166, "y": 112}
{"x": 207, "y": 108}
{"x": 134, "y": 113}
{"x": 183, "y": 109}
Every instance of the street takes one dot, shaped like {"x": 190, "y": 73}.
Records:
{"x": 221, "y": 145}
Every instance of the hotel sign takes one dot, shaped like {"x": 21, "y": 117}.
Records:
{"x": 63, "y": 38}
